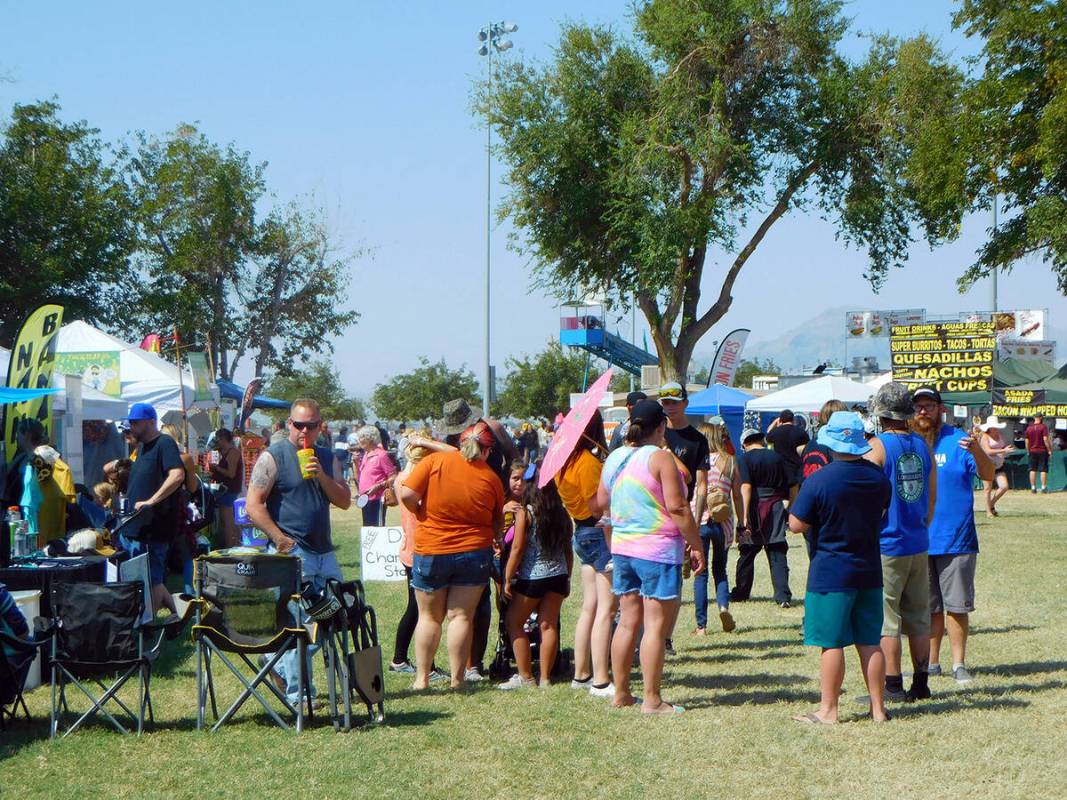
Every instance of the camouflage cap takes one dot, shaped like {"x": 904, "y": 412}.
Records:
{"x": 892, "y": 401}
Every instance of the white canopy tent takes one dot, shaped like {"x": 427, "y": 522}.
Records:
{"x": 809, "y": 396}
{"x": 144, "y": 376}
{"x": 880, "y": 381}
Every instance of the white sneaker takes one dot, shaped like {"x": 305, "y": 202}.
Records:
{"x": 577, "y": 684}
{"x": 607, "y": 691}
{"x": 472, "y": 675}
{"x": 516, "y": 681}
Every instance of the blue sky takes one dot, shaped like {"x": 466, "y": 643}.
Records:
{"x": 363, "y": 108}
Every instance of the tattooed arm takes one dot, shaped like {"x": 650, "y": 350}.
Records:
{"x": 264, "y": 475}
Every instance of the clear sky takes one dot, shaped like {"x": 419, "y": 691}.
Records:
{"x": 364, "y": 109}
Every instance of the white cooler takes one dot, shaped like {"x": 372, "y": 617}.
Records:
{"x": 29, "y": 603}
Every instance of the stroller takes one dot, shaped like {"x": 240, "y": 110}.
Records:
{"x": 502, "y": 666}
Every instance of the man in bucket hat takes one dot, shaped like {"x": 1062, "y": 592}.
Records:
{"x": 840, "y": 508}
{"x": 906, "y": 461}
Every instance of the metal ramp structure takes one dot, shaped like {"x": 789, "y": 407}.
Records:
{"x": 583, "y": 326}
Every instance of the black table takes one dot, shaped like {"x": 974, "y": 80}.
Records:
{"x": 41, "y": 573}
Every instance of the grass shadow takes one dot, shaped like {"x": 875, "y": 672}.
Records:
{"x": 765, "y": 697}
{"x": 742, "y": 644}
{"x": 720, "y": 658}
{"x": 1025, "y": 668}
{"x": 959, "y": 702}
{"x": 1003, "y": 629}
{"x": 731, "y": 681}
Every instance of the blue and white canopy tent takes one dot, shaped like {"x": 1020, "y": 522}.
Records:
{"x": 727, "y": 402}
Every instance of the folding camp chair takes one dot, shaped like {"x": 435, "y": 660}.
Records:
{"x": 16, "y": 655}
{"x": 249, "y": 605}
{"x": 347, "y": 628}
{"x": 97, "y": 633}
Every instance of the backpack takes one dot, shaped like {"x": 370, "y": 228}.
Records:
{"x": 718, "y": 502}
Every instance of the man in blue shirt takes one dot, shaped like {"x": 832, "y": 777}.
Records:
{"x": 840, "y": 508}
{"x": 953, "y": 552}
{"x": 905, "y": 460}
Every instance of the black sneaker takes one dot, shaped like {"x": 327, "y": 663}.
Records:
{"x": 916, "y": 693}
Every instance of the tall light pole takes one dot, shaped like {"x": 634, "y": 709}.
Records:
{"x": 493, "y": 39}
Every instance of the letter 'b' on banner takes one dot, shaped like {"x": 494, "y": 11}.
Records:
{"x": 32, "y": 360}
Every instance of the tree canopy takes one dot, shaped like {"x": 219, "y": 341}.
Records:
{"x": 65, "y": 232}
{"x": 540, "y": 385}
{"x": 636, "y": 164}
{"x": 420, "y": 395}
{"x": 268, "y": 287}
{"x": 1016, "y": 113}
{"x": 318, "y": 381}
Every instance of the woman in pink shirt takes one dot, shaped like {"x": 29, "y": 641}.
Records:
{"x": 376, "y": 471}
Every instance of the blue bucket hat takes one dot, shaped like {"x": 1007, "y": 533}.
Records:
{"x": 843, "y": 433}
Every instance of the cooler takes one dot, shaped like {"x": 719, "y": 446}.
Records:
{"x": 29, "y": 603}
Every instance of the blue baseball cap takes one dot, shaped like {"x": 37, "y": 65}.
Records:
{"x": 141, "y": 411}
{"x": 843, "y": 433}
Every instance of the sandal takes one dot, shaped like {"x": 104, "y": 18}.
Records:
{"x": 812, "y": 719}
{"x": 665, "y": 708}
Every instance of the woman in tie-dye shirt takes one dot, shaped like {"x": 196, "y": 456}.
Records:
{"x": 651, "y": 525}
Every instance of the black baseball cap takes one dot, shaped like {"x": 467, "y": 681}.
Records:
{"x": 633, "y": 397}
{"x": 647, "y": 413}
{"x": 927, "y": 391}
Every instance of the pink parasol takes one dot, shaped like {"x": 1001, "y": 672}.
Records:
{"x": 571, "y": 429}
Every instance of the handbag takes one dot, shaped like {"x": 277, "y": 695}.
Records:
{"x": 718, "y": 503}
{"x": 389, "y": 497}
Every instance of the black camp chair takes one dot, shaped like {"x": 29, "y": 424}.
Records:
{"x": 13, "y": 669}
{"x": 243, "y": 608}
{"x": 97, "y": 634}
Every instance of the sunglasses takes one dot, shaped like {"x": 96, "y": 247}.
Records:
{"x": 925, "y": 408}
{"x": 304, "y": 426}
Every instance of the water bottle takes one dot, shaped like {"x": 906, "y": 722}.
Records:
{"x": 21, "y": 529}
{"x": 29, "y": 542}
{"x": 14, "y": 517}
{"x": 124, "y": 503}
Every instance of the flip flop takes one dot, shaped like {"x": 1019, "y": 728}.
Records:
{"x": 665, "y": 708}
{"x": 812, "y": 719}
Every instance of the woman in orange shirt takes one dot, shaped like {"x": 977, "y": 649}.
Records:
{"x": 459, "y": 503}
{"x": 578, "y": 483}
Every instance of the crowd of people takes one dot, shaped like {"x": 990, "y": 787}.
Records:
{"x": 885, "y": 505}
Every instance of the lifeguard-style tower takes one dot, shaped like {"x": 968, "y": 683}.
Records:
{"x": 582, "y": 324}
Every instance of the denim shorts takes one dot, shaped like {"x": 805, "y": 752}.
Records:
{"x": 157, "y": 556}
{"x": 650, "y": 578}
{"x": 430, "y": 573}
{"x": 592, "y": 548}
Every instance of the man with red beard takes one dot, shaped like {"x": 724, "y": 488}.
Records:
{"x": 953, "y": 552}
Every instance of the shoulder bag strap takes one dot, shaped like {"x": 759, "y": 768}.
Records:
{"x": 622, "y": 466}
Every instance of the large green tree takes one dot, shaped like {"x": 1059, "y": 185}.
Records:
{"x": 240, "y": 285}
{"x": 65, "y": 234}
{"x": 420, "y": 394}
{"x": 657, "y": 165}
{"x": 540, "y": 385}
{"x": 1016, "y": 114}
{"x": 318, "y": 381}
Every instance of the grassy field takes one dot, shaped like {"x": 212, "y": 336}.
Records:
{"x": 1002, "y": 736}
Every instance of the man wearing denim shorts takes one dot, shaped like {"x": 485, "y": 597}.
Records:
{"x": 953, "y": 536}
{"x": 155, "y": 476}
{"x": 840, "y": 508}
{"x": 906, "y": 461}
{"x": 294, "y": 512}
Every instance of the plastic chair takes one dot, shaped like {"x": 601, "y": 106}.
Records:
{"x": 248, "y": 605}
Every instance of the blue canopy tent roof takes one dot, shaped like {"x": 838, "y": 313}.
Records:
{"x": 234, "y": 392}
{"x": 727, "y": 402}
